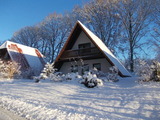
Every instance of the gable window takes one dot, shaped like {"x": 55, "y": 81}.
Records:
{"x": 97, "y": 66}
{"x": 85, "y": 68}
{"x": 74, "y": 68}
{"x": 84, "y": 45}
{"x": 83, "y": 49}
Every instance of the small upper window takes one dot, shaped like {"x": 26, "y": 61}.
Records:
{"x": 85, "y": 45}
{"x": 97, "y": 66}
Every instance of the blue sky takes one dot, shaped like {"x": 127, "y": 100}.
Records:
{"x": 16, "y": 14}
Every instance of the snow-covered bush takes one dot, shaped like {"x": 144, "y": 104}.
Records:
{"x": 148, "y": 72}
{"x": 113, "y": 74}
{"x": 155, "y": 76}
{"x": 2, "y": 69}
{"x": 48, "y": 70}
{"x": 143, "y": 70}
{"x": 97, "y": 72}
{"x": 49, "y": 73}
{"x": 9, "y": 69}
{"x": 90, "y": 80}
{"x": 72, "y": 76}
{"x": 13, "y": 69}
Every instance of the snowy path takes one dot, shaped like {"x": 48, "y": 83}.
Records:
{"x": 70, "y": 100}
{"x": 6, "y": 115}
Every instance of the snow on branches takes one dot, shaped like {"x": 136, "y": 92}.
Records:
{"x": 155, "y": 71}
{"x": 147, "y": 72}
{"x": 113, "y": 74}
{"x": 90, "y": 80}
{"x": 48, "y": 73}
{"x": 9, "y": 69}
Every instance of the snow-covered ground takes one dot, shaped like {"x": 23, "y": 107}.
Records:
{"x": 7, "y": 115}
{"x": 69, "y": 100}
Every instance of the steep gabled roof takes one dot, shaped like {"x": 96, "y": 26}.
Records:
{"x": 98, "y": 43}
{"x": 28, "y": 57}
{"x": 25, "y": 49}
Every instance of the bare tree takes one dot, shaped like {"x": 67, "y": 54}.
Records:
{"x": 134, "y": 15}
{"x": 49, "y": 35}
{"x": 102, "y": 18}
{"x": 156, "y": 29}
{"x": 53, "y": 33}
{"x": 27, "y": 36}
{"x": 72, "y": 17}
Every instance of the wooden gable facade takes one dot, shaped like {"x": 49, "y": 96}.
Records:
{"x": 81, "y": 53}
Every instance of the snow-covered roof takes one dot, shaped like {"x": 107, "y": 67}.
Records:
{"x": 25, "y": 49}
{"x": 106, "y": 51}
{"x": 28, "y": 55}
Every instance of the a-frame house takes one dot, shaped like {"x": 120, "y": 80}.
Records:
{"x": 28, "y": 58}
{"x": 83, "y": 51}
